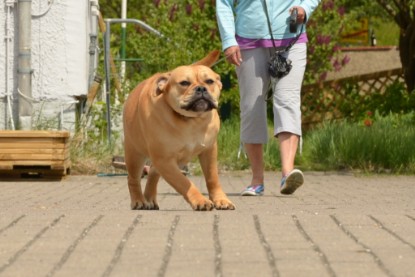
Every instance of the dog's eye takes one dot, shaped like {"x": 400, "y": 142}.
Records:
{"x": 184, "y": 83}
{"x": 209, "y": 81}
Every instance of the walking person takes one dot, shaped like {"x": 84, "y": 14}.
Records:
{"x": 251, "y": 33}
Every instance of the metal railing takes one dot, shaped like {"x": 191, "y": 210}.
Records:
{"x": 107, "y": 64}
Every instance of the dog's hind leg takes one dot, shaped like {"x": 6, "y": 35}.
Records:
{"x": 135, "y": 165}
{"x": 150, "y": 193}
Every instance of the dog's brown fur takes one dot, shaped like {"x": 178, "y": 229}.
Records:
{"x": 171, "y": 118}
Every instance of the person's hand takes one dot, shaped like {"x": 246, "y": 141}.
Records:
{"x": 233, "y": 55}
{"x": 301, "y": 16}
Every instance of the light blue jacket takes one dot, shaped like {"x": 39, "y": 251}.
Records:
{"x": 247, "y": 18}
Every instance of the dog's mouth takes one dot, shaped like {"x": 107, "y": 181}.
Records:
{"x": 201, "y": 101}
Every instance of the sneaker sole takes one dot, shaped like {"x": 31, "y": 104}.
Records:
{"x": 250, "y": 193}
{"x": 293, "y": 182}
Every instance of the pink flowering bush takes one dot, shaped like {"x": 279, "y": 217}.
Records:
{"x": 324, "y": 30}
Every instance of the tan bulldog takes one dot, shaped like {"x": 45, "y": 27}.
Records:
{"x": 170, "y": 118}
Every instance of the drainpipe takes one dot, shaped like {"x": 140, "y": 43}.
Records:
{"x": 9, "y": 116}
{"x": 24, "y": 67}
{"x": 93, "y": 62}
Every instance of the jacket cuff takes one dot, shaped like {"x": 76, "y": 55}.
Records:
{"x": 228, "y": 43}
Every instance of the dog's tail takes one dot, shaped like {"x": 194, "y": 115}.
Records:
{"x": 210, "y": 59}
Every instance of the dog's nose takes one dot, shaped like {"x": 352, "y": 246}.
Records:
{"x": 200, "y": 90}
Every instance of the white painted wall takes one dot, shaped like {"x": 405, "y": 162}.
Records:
{"x": 60, "y": 57}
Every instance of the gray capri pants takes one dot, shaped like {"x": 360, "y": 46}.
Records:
{"x": 254, "y": 83}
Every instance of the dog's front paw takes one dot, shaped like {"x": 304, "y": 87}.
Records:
{"x": 202, "y": 204}
{"x": 153, "y": 205}
{"x": 143, "y": 205}
{"x": 223, "y": 204}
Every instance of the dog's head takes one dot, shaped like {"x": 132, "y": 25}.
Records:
{"x": 193, "y": 89}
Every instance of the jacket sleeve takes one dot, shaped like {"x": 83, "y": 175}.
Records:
{"x": 226, "y": 22}
{"x": 309, "y": 6}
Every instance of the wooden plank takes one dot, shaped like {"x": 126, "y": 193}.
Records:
{"x": 33, "y": 134}
{"x": 27, "y": 156}
{"x": 33, "y": 151}
{"x": 33, "y": 140}
{"x": 35, "y": 143}
{"x": 53, "y": 164}
{"x": 31, "y": 145}
{"x": 34, "y": 154}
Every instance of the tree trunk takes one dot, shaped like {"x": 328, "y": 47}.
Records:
{"x": 407, "y": 54}
{"x": 403, "y": 13}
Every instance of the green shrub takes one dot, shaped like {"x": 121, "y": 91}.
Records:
{"x": 394, "y": 99}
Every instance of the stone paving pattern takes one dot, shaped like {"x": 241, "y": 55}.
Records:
{"x": 335, "y": 225}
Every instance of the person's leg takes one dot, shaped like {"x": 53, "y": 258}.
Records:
{"x": 288, "y": 149}
{"x": 253, "y": 82}
{"x": 255, "y": 157}
{"x": 287, "y": 118}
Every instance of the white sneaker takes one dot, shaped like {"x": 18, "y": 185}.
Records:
{"x": 292, "y": 182}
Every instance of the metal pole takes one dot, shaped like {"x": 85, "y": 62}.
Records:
{"x": 24, "y": 70}
{"x": 108, "y": 78}
{"x": 107, "y": 64}
{"x": 123, "y": 37}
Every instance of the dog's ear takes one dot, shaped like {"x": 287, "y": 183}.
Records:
{"x": 210, "y": 59}
{"x": 161, "y": 84}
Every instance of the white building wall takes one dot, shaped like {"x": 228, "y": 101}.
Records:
{"x": 60, "y": 58}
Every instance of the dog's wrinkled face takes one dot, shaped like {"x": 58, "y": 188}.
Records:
{"x": 192, "y": 90}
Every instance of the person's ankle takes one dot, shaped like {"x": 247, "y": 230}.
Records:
{"x": 285, "y": 172}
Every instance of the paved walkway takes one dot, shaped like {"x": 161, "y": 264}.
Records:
{"x": 335, "y": 225}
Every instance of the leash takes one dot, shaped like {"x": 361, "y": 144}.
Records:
{"x": 270, "y": 30}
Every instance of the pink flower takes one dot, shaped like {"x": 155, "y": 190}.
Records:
{"x": 189, "y": 9}
{"x": 328, "y": 5}
{"x": 341, "y": 11}
{"x": 322, "y": 39}
{"x": 336, "y": 48}
{"x": 202, "y": 5}
{"x": 346, "y": 60}
{"x": 156, "y": 3}
{"x": 337, "y": 65}
{"x": 323, "y": 76}
{"x": 172, "y": 12}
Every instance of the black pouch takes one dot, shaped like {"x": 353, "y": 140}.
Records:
{"x": 278, "y": 65}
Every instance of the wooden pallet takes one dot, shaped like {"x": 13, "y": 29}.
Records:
{"x": 34, "y": 154}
